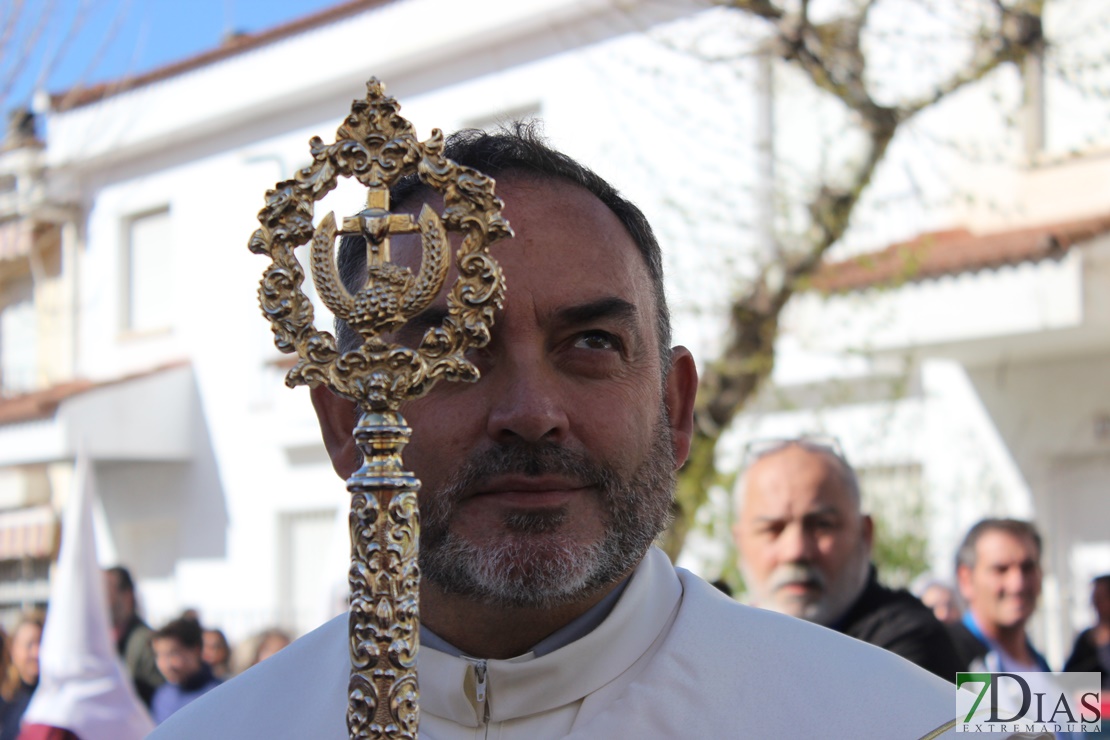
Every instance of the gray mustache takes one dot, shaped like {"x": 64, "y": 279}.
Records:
{"x": 530, "y": 460}
{"x": 789, "y": 573}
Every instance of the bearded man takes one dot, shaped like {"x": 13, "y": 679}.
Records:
{"x": 545, "y": 610}
{"x": 805, "y": 550}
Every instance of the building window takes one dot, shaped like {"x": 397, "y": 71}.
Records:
{"x": 18, "y": 338}
{"x": 147, "y": 272}
{"x": 24, "y": 585}
{"x": 29, "y": 537}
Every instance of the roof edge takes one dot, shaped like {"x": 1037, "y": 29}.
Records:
{"x": 953, "y": 252}
{"x": 78, "y": 97}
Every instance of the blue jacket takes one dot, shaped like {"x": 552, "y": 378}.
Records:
{"x": 168, "y": 697}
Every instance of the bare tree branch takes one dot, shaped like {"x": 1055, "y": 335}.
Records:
{"x": 22, "y": 56}
{"x": 760, "y": 8}
{"x": 832, "y": 56}
{"x": 8, "y": 24}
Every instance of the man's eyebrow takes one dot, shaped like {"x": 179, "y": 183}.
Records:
{"x": 612, "y": 308}
{"x": 823, "y": 511}
{"x": 818, "y": 512}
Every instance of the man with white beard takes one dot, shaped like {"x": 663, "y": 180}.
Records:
{"x": 805, "y": 550}
{"x": 546, "y": 612}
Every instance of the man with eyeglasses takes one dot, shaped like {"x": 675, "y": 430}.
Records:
{"x": 805, "y": 550}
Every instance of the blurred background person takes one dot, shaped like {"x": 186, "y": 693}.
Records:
{"x": 131, "y": 633}
{"x": 217, "y": 653}
{"x": 22, "y": 675}
{"x": 939, "y": 597}
{"x": 270, "y": 642}
{"x": 998, "y": 570}
{"x": 177, "y": 650}
{"x": 255, "y": 648}
{"x": 1092, "y": 648}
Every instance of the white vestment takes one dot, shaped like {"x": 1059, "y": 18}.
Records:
{"x": 675, "y": 658}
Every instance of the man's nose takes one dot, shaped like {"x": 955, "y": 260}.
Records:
{"x": 795, "y": 544}
{"x": 526, "y": 403}
{"x": 1018, "y": 580}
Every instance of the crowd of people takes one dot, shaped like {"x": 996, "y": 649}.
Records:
{"x": 181, "y": 661}
{"x": 805, "y": 550}
{"x": 169, "y": 667}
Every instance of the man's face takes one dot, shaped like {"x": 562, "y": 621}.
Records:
{"x": 804, "y": 546}
{"x": 176, "y": 662}
{"x": 121, "y": 603}
{"x": 550, "y": 477}
{"x": 1002, "y": 589}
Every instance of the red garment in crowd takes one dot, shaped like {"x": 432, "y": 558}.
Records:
{"x": 45, "y": 732}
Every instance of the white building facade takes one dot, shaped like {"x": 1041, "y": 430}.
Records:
{"x": 980, "y": 384}
{"x": 215, "y": 487}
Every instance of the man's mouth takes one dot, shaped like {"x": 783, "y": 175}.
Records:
{"x": 528, "y": 491}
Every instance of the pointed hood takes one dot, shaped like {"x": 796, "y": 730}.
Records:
{"x": 83, "y": 687}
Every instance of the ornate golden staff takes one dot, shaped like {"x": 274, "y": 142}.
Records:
{"x": 376, "y": 146}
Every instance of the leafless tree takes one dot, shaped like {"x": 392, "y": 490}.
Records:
{"x": 833, "y": 45}
{"x": 36, "y": 36}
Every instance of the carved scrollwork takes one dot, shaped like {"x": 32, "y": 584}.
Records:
{"x": 377, "y": 147}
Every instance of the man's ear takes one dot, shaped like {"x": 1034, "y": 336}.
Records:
{"x": 681, "y": 389}
{"x": 868, "y": 530}
{"x": 963, "y": 582}
{"x": 337, "y": 417}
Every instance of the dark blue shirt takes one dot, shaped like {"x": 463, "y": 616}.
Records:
{"x": 12, "y": 712}
{"x": 168, "y": 697}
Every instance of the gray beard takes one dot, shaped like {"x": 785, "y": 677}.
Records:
{"x": 533, "y": 563}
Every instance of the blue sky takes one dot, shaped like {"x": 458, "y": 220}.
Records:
{"x": 90, "y": 41}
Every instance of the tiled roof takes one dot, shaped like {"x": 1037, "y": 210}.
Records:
{"x": 79, "y": 96}
{"x": 42, "y": 404}
{"x": 955, "y": 251}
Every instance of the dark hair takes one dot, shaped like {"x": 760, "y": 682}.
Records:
{"x": 966, "y": 556}
{"x": 519, "y": 148}
{"x": 1103, "y": 580}
{"x": 219, "y": 633}
{"x": 185, "y": 631}
{"x": 123, "y": 576}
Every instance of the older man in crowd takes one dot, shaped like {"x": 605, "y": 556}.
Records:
{"x": 805, "y": 550}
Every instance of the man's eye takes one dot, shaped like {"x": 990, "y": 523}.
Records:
{"x": 597, "y": 340}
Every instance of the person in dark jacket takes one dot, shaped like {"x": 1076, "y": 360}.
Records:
{"x": 132, "y": 633}
{"x": 805, "y": 550}
{"x": 1092, "y": 648}
{"x": 177, "y": 649}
